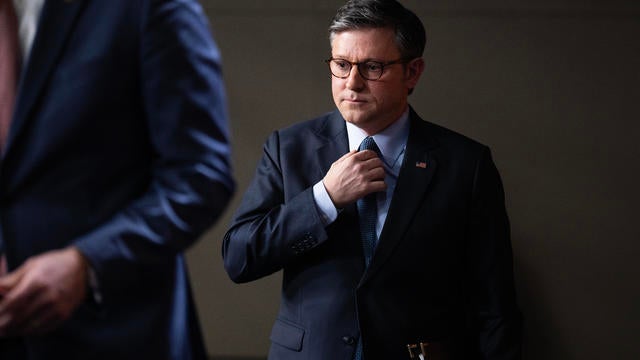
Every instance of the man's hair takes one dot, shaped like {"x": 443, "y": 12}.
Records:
{"x": 365, "y": 14}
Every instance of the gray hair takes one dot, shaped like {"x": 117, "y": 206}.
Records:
{"x": 363, "y": 14}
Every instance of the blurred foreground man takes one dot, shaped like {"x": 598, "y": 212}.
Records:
{"x": 391, "y": 231}
{"x": 115, "y": 158}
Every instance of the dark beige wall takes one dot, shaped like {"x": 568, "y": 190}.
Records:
{"x": 550, "y": 85}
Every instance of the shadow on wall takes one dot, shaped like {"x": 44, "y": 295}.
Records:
{"x": 542, "y": 337}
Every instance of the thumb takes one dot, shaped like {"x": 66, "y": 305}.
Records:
{"x": 347, "y": 155}
{"x": 10, "y": 280}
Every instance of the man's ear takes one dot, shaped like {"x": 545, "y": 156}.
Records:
{"x": 413, "y": 71}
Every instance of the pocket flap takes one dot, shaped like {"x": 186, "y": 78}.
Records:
{"x": 287, "y": 335}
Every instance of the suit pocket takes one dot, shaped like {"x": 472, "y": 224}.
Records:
{"x": 287, "y": 334}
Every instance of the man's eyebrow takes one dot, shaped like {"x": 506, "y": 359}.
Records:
{"x": 338, "y": 57}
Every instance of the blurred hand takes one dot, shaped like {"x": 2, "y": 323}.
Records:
{"x": 354, "y": 175}
{"x": 42, "y": 293}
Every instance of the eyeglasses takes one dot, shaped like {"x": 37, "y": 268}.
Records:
{"x": 369, "y": 70}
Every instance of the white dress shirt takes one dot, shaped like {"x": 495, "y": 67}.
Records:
{"x": 28, "y": 14}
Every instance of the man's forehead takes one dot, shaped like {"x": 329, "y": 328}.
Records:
{"x": 367, "y": 42}
{"x": 364, "y": 30}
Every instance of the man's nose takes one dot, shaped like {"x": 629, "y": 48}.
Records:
{"x": 355, "y": 80}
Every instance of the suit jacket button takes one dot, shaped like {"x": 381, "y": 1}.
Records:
{"x": 349, "y": 340}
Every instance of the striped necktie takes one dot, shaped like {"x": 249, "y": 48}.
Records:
{"x": 9, "y": 66}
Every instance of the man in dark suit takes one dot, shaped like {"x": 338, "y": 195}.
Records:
{"x": 116, "y": 160}
{"x": 429, "y": 262}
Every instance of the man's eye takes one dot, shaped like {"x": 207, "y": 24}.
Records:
{"x": 373, "y": 66}
{"x": 341, "y": 64}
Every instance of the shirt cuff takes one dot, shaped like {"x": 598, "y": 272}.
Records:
{"x": 327, "y": 210}
{"x": 94, "y": 285}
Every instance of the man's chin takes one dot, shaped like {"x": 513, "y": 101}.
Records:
{"x": 364, "y": 123}
{"x": 358, "y": 121}
{"x": 355, "y": 117}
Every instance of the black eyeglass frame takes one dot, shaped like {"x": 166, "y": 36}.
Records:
{"x": 382, "y": 65}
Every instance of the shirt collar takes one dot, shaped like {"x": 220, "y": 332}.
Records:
{"x": 391, "y": 141}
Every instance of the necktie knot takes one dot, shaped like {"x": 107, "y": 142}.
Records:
{"x": 369, "y": 144}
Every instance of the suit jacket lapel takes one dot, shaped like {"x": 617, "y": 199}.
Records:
{"x": 334, "y": 142}
{"x": 56, "y": 21}
{"x": 416, "y": 173}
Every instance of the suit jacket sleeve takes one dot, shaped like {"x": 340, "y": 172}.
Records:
{"x": 190, "y": 183}
{"x": 277, "y": 221}
{"x": 497, "y": 318}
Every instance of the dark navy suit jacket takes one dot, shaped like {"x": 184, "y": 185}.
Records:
{"x": 441, "y": 272}
{"x": 119, "y": 146}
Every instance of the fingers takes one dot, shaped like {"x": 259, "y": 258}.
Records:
{"x": 367, "y": 157}
{"x": 370, "y": 168}
{"x": 365, "y": 154}
{"x": 353, "y": 176}
{"x": 42, "y": 293}
{"x": 40, "y": 320}
{"x": 36, "y": 317}
{"x": 359, "y": 156}
{"x": 9, "y": 281}
{"x": 347, "y": 155}
{"x": 373, "y": 171}
{"x": 14, "y": 300}
{"x": 361, "y": 160}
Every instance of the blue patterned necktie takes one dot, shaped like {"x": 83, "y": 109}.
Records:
{"x": 368, "y": 210}
{"x": 368, "y": 217}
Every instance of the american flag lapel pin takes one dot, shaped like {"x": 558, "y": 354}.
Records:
{"x": 421, "y": 164}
